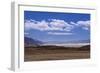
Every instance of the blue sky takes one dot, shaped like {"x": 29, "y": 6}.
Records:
{"x": 54, "y": 26}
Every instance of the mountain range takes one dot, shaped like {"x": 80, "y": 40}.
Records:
{"x": 30, "y": 41}
{"x": 76, "y": 41}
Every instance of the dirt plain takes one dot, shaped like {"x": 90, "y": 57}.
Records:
{"x": 42, "y": 53}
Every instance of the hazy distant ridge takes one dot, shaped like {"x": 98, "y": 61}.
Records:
{"x": 76, "y": 41}
{"x": 29, "y": 41}
{"x": 34, "y": 42}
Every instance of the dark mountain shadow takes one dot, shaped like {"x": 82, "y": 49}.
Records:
{"x": 32, "y": 42}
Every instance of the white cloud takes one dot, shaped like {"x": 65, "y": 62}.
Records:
{"x": 85, "y": 28}
{"x": 43, "y": 25}
{"x": 61, "y": 24}
{"x": 56, "y": 24}
{"x": 87, "y": 23}
{"x": 73, "y": 23}
{"x": 59, "y": 33}
{"x": 26, "y": 33}
{"x": 84, "y": 24}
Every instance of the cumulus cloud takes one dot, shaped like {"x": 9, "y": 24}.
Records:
{"x": 59, "y": 33}
{"x": 84, "y": 24}
{"x": 56, "y": 25}
{"x": 39, "y": 25}
{"x": 60, "y": 24}
{"x": 53, "y": 24}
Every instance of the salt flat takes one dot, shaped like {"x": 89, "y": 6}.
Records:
{"x": 68, "y": 44}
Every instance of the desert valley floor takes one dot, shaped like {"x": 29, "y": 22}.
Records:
{"x": 40, "y": 53}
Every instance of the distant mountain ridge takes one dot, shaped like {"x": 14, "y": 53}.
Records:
{"x": 81, "y": 41}
{"x": 76, "y": 41}
{"x": 30, "y": 41}
{"x": 34, "y": 42}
